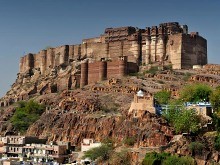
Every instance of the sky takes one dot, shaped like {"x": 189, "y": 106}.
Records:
{"x": 28, "y": 26}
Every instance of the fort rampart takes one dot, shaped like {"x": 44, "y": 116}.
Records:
{"x": 168, "y": 42}
{"x": 117, "y": 52}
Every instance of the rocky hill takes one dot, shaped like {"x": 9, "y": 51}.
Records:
{"x": 97, "y": 103}
{"x": 100, "y": 110}
{"x": 88, "y": 95}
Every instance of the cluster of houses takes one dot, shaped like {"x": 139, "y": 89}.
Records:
{"x": 16, "y": 149}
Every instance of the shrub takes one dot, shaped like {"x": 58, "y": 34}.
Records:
{"x": 175, "y": 160}
{"x": 154, "y": 158}
{"x": 216, "y": 121}
{"x": 129, "y": 141}
{"x": 103, "y": 152}
{"x": 217, "y": 142}
{"x": 186, "y": 121}
{"x": 152, "y": 70}
{"x": 195, "y": 93}
{"x": 187, "y": 75}
{"x": 166, "y": 159}
{"x": 168, "y": 67}
{"x": 162, "y": 97}
{"x": 26, "y": 114}
{"x": 196, "y": 147}
{"x": 215, "y": 99}
{"x": 133, "y": 74}
{"x": 183, "y": 120}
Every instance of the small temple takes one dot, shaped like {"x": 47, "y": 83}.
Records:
{"x": 142, "y": 102}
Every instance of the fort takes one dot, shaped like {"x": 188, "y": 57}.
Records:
{"x": 126, "y": 48}
{"x": 168, "y": 42}
{"x": 114, "y": 54}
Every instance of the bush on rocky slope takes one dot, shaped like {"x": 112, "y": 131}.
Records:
{"x": 26, "y": 114}
{"x": 166, "y": 159}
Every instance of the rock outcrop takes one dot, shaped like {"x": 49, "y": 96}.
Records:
{"x": 148, "y": 131}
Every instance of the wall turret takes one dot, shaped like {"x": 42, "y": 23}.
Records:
{"x": 84, "y": 74}
{"x": 122, "y": 66}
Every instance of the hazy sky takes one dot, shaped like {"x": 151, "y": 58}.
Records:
{"x": 31, "y": 25}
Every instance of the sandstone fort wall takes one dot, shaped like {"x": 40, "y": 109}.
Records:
{"x": 102, "y": 70}
{"x": 168, "y": 42}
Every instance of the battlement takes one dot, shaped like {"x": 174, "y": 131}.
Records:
{"x": 104, "y": 69}
{"x": 166, "y": 29}
{"x": 127, "y": 30}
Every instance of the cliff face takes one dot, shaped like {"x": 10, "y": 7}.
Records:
{"x": 98, "y": 111}
{"x": 147, "y": 131}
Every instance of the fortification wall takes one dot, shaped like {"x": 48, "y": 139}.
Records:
{"x": 101, "y": 70}
{"x": 113, "y": 69}
{"x": 26, "y": 62}
{"x": 95, "y": 50}
{"x": 45, "y": 59}
{"x": 84, "y": 74}
{"x": 194, "y": 50}
{"x": 93, "y": 72}
{"x": 174, "y": 50}
{"x": 168, "y": 42}
{"x": 97, "y": 71}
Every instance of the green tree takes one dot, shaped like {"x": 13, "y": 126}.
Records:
{"x": 175, "y": 160}
{"x": 26, "y": 114}
{"x": 162, "y": 97}
{"x": 166, "y": 159}
{"x": 217, "y": 142}
{"x": 171, "y": 114}
{"x": 196, "y": 147}
{"x": 183, "y": 120}
{"x": 195, "y": 93}
{"x": 154, "y": 158}
{"x": 215, "y": 99}
{"x": 152, "y": 70}
{"x": 103, "y": 152}
{"x": 186, "y": 121}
